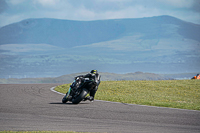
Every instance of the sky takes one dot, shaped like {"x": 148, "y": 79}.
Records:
{"x": 12, "y": 11}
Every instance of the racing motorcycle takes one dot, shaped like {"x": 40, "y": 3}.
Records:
{"x": 78, "y": 90}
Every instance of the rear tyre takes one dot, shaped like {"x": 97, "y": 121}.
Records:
{"x": 78, "y": 99}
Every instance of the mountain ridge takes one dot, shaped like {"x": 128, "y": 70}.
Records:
{"x": 45, "y": 26}
{"x": 50, "y": 47}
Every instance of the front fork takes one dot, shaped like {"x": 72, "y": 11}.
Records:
{"x": 69, "y": 91}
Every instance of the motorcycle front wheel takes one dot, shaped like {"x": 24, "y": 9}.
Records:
{"x": 64, "y": 100}
{"x": 79, "y": 98}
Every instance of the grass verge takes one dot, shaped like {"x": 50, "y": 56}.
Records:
{"x": 183, "y": 94}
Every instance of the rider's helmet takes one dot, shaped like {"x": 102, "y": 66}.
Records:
{"x": 93, "y": 71}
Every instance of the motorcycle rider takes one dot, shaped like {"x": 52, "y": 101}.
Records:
{"x": 93, "y": 75}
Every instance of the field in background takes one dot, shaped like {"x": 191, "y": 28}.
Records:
{"x": 184, "y": 94}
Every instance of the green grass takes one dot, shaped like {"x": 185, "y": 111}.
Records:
{"x": 184, "y": 94}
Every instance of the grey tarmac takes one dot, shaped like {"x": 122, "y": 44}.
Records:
{"x": 33, "y": 107}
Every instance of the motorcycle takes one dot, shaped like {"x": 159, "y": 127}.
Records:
{"x": 78, "y": 90}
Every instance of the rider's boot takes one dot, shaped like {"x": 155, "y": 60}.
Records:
{"x": 90, "y": 98}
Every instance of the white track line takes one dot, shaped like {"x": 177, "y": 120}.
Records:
{"x": 52, "y": 89}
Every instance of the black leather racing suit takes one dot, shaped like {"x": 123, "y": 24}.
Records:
{"x": 96, "y": 77}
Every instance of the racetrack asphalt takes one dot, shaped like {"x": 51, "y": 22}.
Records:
{"x": 33, "y": 107}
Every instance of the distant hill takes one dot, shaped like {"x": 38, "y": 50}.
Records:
{"x": 68, "y": 33}
{"x": 62, "y": 33}
{"x": 104, "y": 77}
{"x": 70, "y": 77}
{"x": 51, "y": 47}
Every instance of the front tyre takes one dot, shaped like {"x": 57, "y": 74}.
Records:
{"x": 79, "y": 98}
{"x": 64, "y": 100}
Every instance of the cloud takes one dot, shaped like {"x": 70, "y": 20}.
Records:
{"x": 3, "y": 6}
{"x": 196, "y": 6}
{"x": 98, "y": 9}
{"x": 177, "y": 3}
{"x": 15, "y": 2}
{"x": 47, "y": 3}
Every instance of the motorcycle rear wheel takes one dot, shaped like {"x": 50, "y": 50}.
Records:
{"x": 79, "y": 98}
